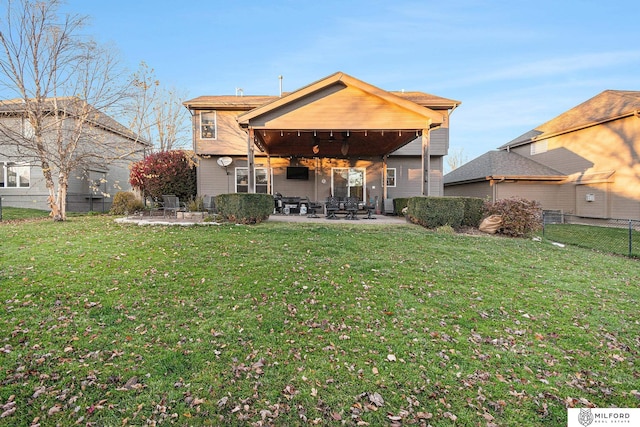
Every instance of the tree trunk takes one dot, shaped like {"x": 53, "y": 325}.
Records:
{"x": 63, "y": 184}
{"x": 48, "y": 179}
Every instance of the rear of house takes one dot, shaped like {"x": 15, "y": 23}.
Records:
{"x": 336, "y": 137}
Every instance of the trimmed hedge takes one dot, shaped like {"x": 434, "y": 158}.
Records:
{"x": 245, "y": 208}
{"x": 473, "y": 209}
{"x": 399, "y": 204}
{"x": 432, "y": 212}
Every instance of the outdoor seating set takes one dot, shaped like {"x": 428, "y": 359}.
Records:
{"x": 171, "y": 206}
{"x": 333, "y": 206}
{"x": 350, "y": 206}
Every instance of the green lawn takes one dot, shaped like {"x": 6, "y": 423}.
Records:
{"x": 11, "y": 213}
{"x": 290, "y": 324}
{"x": 605, "y": 239}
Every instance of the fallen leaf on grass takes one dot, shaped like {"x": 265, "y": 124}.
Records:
{"x": 451, "y": 416}
{"x": 9, "y": 409}
{"x": 54, "y": 410}
{"x": 376, "y": 399}
{"x": 424, "y": 415}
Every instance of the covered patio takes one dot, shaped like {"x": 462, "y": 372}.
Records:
{"x": 339, "y": 117}
{"x": 336, "y": 137}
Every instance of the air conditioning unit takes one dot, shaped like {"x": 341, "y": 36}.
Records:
{"x": 590, "y": 197}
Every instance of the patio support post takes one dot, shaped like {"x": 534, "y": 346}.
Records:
{"x": 384, "y": 178}
{"x": 426, "y": 160}
{"x": 269, "y": 183}
{"x": 251, "y": 162}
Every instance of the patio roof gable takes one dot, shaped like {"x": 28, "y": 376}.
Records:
{"x": 341, "y": 102}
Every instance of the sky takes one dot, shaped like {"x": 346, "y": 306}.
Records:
{"x": 513, "y": 64}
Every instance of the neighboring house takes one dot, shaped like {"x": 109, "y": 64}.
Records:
{"x": 108, "y": 147}
{"x": 338, "y": 136}
{"x": 584, "y": 162}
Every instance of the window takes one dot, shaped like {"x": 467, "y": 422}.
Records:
{"x": 391, "y": 177}
{"x": 242, "y": 180}
{"x": 15, "y": 175}
{"x": 539, "y": 147}
{"x": 208, "y": 125}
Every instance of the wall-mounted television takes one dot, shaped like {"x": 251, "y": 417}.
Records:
{"x": 297, "y": 172}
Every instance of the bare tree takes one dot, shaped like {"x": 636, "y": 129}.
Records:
{"x": 62, "y": 86}
{"x": 157, "y": 113}
{"x": 456, "y": 158}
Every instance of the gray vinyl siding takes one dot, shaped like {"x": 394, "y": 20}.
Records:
{"x": 547, "y": 194}
{"x": 408, "y": 177}
{"x": 599, "y": 207}
{"x": 212, "y": 178}
{"x": 80, "y": 197}
{"x": 439, "y": 144}
{"x": 474, "y": 189}
{"x": 624, "y": 207}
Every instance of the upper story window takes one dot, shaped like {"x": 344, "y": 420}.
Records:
{"x": 208, "y": 125}
{"x": 15, "y": 175}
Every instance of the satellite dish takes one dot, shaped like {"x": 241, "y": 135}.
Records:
{"x": 225, "y": 161}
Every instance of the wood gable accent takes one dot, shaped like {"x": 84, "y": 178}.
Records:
{"x": 335, "y": 116}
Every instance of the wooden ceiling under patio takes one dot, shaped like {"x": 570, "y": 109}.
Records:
{"x": 339, "y": 143}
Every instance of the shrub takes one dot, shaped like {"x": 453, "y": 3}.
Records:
{"x": 196, "y": 204}
{"x": 473, "y": 208}
{"x": 432, "y": 212}
{"x": 520, "y": 217}
{"x": 165, "y": 172}
{"x": 125, "y": 202}
{"x": 245, "y": 208}
{"x": 399, "y": 204}
{"x": 445, "y": 229}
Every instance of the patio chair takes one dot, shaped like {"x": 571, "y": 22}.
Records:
{"x": 312, "y": 208}
{"x": 171, "y": 204}
{"x": 332, "y": 206}
{"x": 210, "y": 204}
{"x": 371, "y": 207}
{"x": 351, "y": 206}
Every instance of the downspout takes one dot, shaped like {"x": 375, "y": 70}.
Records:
{"x": 384, "y": 178}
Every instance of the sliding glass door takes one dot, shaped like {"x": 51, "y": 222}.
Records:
{"x": 348, "y": 182}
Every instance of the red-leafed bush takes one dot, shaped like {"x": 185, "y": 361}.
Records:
{"x": 520, "y": 217}
{"x": 165, "y": 172}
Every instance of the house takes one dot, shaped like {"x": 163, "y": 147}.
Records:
{"x": 584, "y": 162}
{"x": 105, "y": 150}
{"x": 338, "y": 136}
